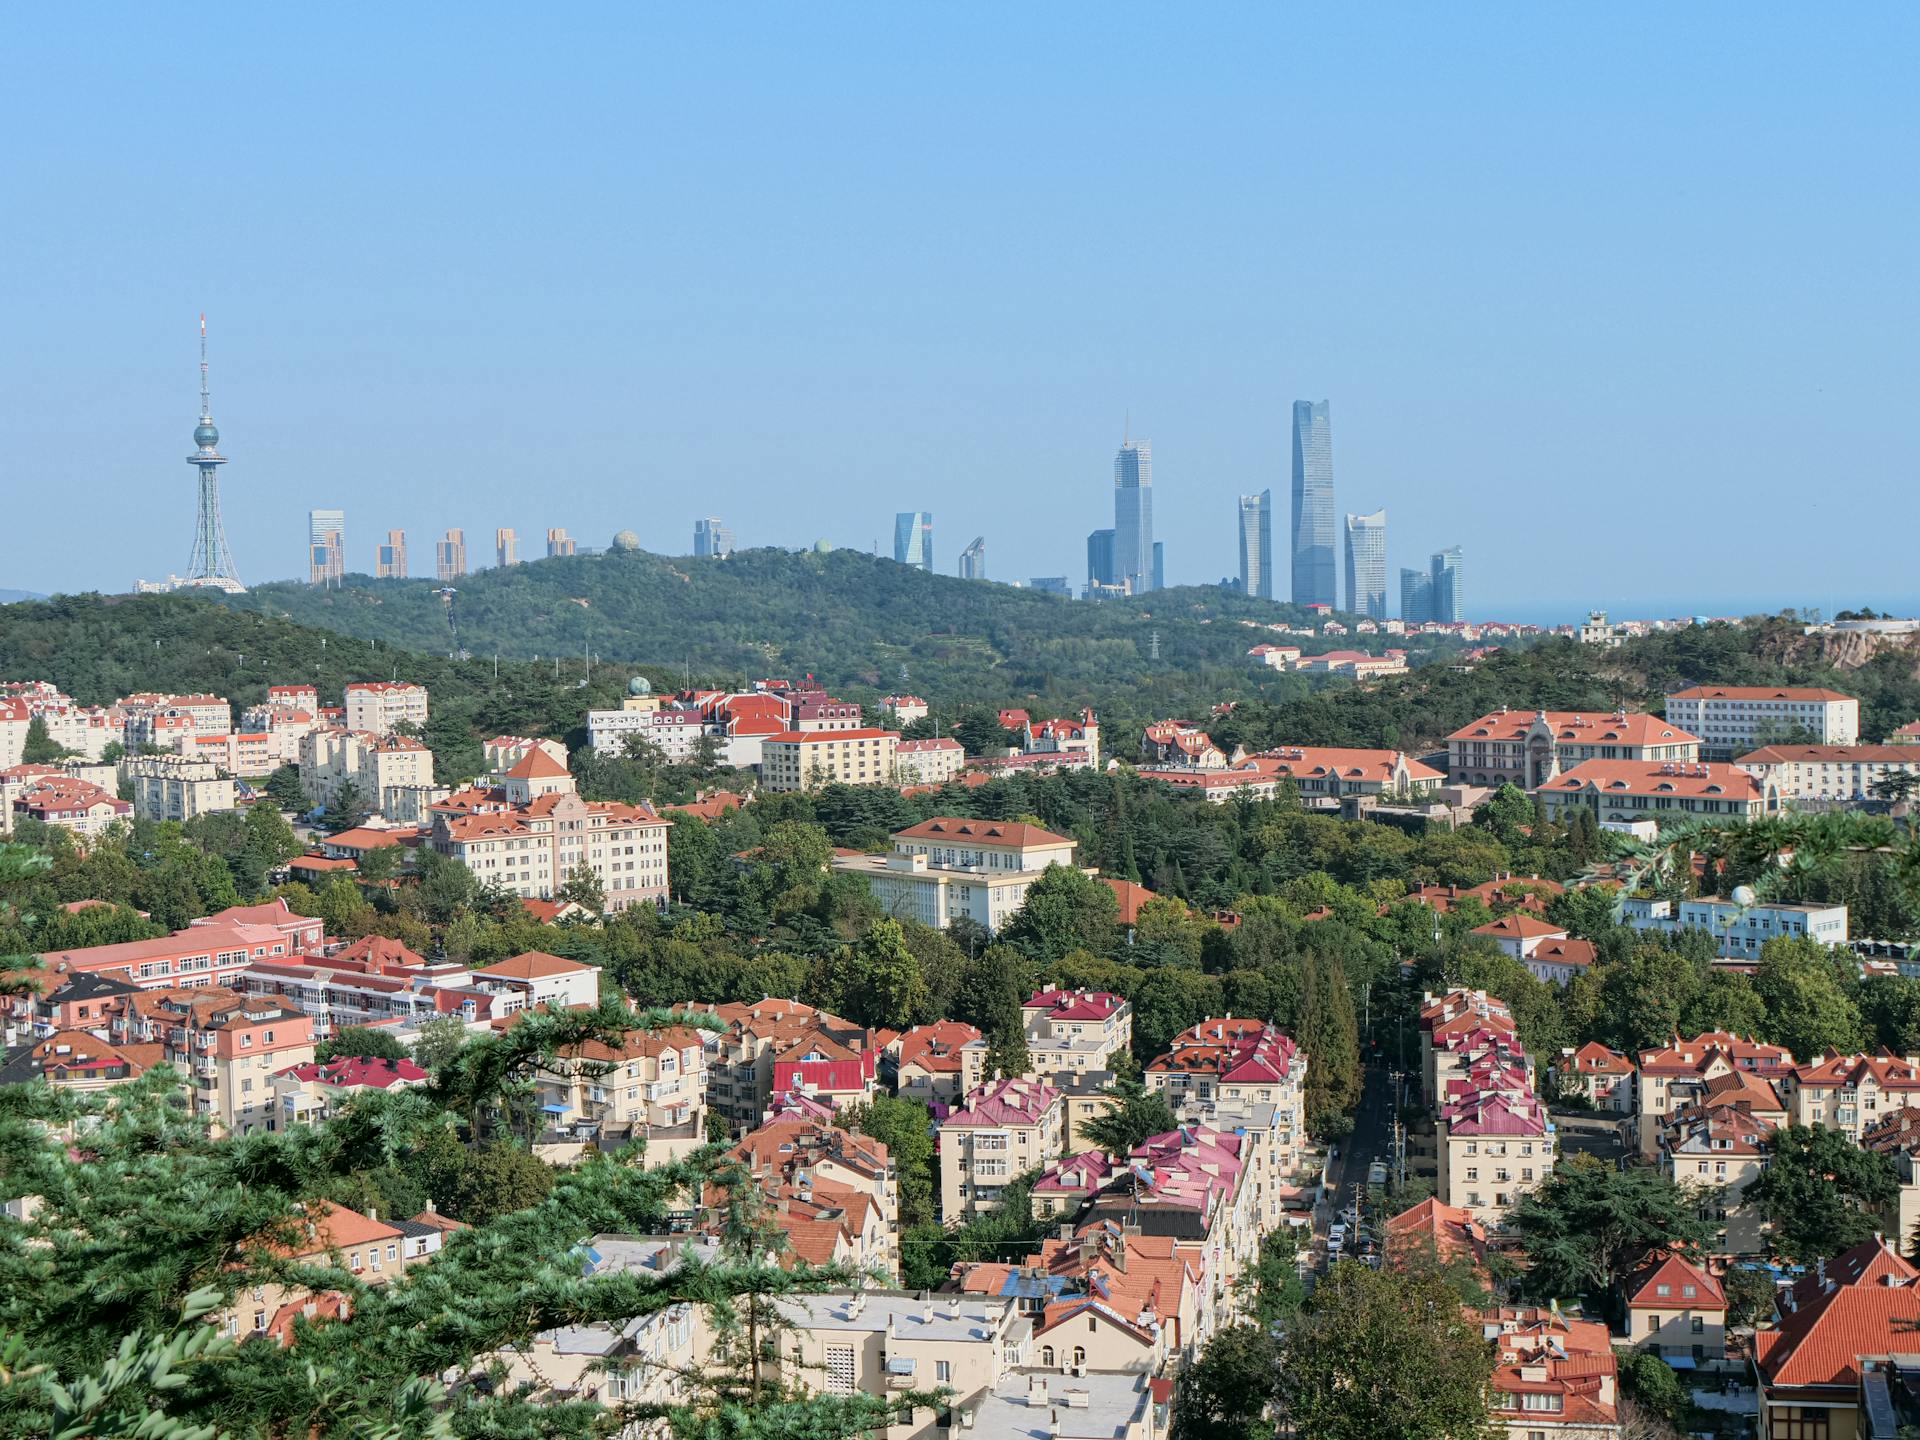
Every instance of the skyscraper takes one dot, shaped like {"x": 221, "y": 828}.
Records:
{"x": 390, "y": 560}
{"x": 1367, "y": 565}
{"x": 1256, "y": 545}
{"x": 1133, "y": 516}
{"x": 326, "y": 546}
{"x": 1449, "y": 599}
{"x": 711, "y": 539}
{"x": 1416, "y": 596}
{"x": 913, "y": 538}
{"x": 1313, "y": 565}
{"x": 559, "y": 543}
{"x": 211, "y": 563}
{"x": 450, "y": 557}
{"x": 1159, "y": 581}
{"x": 1100, "y": 559}
{"x": 506, "y": 548}
{"x": 973, "y": 560}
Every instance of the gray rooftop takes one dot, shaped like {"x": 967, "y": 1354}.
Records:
{"x": 901, "y": 1315}
{"x": 1099, "y": 1405}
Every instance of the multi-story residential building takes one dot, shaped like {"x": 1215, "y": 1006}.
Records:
{"x": 816, "y": 710}
{"x": 1734, "y": 719}
{"x": 205, "y": 714}
{"x": 741, "y": 1058}
{"x": 651, "y": 1087}
{"x": 1544, "y": 948}
{"x": 450, "y": 557}
{"x": 1324, "y": 774}
{"x": 951, "y": 866}
{"x": 1133, "y": 517}
{"x": 79, "y": 729}
{"x": 1553, "y": 1376}
{"x": 1718, "y": 1147}
{"x": 913, "y": 539}
{"x": 1622, "y": 790}
{"x": 1850, "y": 1093}
{"x": 533, "y": 831}
{"x": 379, "y": 706}
{"x": 824, "y": 1073}
{"x": 929, "y": 762}
{"x": 560, "y": 543}
{"x": 833, "y": 1192}
{"x": 1312, "y": 547}
{"x": 1494, "y": 1145}
{"x": 905, "y": 708}
{"x": 1669, "y": 1078}
{"x": 374, "y": 1252}
{"x": 1073, "y": 1031}
{"x": 1180, "y": 745}
{"x": 1897, "y": 1136}
{"x": 537, "y": 979}
{"x": 1217, "y": 787}
{"x": 1079, "y": 738}
{"x": 801, "y": 760}
{"x": 390, "y": 557}
{"x": 1004, "y": 1128}
{"x": 76, "y": 1061}
{"x": 1256, "y": 545}
{"x": 1739, "y": 931}
{"x": 1843, "y": 774}
{"x": 1603, "y": 1077}
{"x": 928, "y": 1063}
{"x": 228, "y": 1045}
{"x": 1367, "y": 565}
{"x": 1456, "y": 1027}
{"x": 173, "y": 787}
{"x": 374, "y": 981}
{"x": 1818, "y": 1364}
{"x": 392, "y": 775}
{"x": 1513, "y": 747}
{"x": 311, "y": 1092}
{"x": 1907, "y": 734}
{"x": 326, "y": 546}
{"x": 1677, "y": 1310}
{"x": 506, "y": 547}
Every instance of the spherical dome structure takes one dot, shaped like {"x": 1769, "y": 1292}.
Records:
{"x": 1743, "y": 896}
{"x": 639, "y": 685}
{"x": 205, "y": 436}
{"x": 822, "y": 547}
{"x": 626, "y": 540}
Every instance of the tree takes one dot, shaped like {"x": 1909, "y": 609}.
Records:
{"x": 1065, "y": 910}
{"x": 582, "y": 887}
{"x": 1807, "y": 1008}
{"x": 38, "y": 748}
{"x": 440, "y": 1039}
{"x": 1134, "y": 1115}
{"x": 1651, "y": 1383}
{"x": 284, "y": 789}
{"x": 1817, "y": 1192}
{"x": 906, "y": 1129}
{"x": 1386, "y": 1352}
{"x": 1750, "y": 1292}
{"x": 1278, "y": 1294}
{"x": 1589, "y": 1222}
{"x": 348, "y": 810}
{"x": 358, "y": 1041}
{"x": 883, "y": 985}
{"x": 1224, "y": 1393}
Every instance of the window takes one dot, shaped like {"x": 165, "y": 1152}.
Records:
{"x": 1699, "y": 1325}
{"x": 1046, "y": 1357}
{"x": 840, "y": 1375}
{"x": 1079, "y": 1356}
{"x": 943, "y": 1370}
{"x": 1534, "y": 1400}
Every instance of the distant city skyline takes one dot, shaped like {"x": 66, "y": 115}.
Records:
{"x": 913, "y": 539}
{"x": 1133, "y": 516}
{"x": 758, "y": 320}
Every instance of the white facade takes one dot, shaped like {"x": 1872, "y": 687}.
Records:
{"x": 1733, "y": 719}
{"x": 379, "y": 705}
{"x": 1740, "y": 930}
{"x": 1830, "y": 772}
{"x": 947, "y": 868}
{"x": 169, "y": 787}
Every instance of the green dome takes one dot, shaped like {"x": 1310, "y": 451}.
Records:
{"x": 205, "y": 436}
{"x": 639, "y": 686}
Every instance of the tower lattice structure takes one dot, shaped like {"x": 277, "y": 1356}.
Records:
{"x": 211, "y": 562}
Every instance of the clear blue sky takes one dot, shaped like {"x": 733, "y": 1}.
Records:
{"x": 1621, "y": 300}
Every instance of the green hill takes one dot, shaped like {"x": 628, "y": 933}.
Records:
{"x": 861, "y": 625}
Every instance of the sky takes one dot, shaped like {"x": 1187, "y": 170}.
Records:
{"x": 1622, "y": 300}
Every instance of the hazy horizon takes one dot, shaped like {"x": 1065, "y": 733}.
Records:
{"x": 1619, "y": 302}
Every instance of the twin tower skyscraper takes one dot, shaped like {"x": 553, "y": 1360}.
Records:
{"x": 1314, "y": 539}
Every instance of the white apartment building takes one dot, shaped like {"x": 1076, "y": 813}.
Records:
{"x": 1738, "y": 930}
{"x": 379, "y": 705}
{"x": 929, "y": 762}
{"x": 1733, "y": 719}
{"x": 173, "y": 787}
{"x": 76, "y": 728}
{"x": 1006, "y": 1128}
{"x": 1842, "y": 773}
{"x": 144, "y": 716}
{"x": 798, "y": 760}
{"x": 390, "y": 772}
{"x": 950, "y": 866}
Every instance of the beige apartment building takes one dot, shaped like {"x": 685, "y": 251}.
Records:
{"x": 1733, "y": 719}
{"x": 1846, "y": 774}
{"x": 376, "y": 706}
{"x": 228, "y": 1045}
{"x": 652, "y": 1087}
{"x": 1006, "y": 1128}
{"x": 951, "y": 866}
{"x": 799, "y": 760}
{"x": 1850, "y": 1093}
{"x": 741, "y": 1058}
{"x": 1682, "y": 1073}
{"x": 172, "y": 787}
{"x": 929, "y": 762}
{"x": 1517, "y": 747}
{"x": 383, "y": 770}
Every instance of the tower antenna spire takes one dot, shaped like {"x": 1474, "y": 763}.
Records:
{"x": 211, "y": 562}
{"x": 206, "y": 404}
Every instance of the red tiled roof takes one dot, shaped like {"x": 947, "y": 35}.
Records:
{"x": 534, "y": 965}
{"x": 1011, "y": 833}
{"x": 1687, "y": 1285}
{"x": 1755, "y": 692}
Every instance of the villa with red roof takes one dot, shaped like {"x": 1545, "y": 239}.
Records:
{"x": 953, "y": 866}
{"x": 825, "y": 1071}
{"x": 526, "y": 982}
{"x": 1180, "y": 745}
{"x": 928, "y": 1061}
{"x": 1005, "y": 1128}
{"x": 1067, "y": 1184}
{"x": 1863, "y": 1303}
{"x": 1674, "y": 1076}
{"x": 1677, "y": 1310}
{"x": 1448, "y": 1231}
{"x": 1620, "y": 790}
{"x": 1603, "y": 1076}
{"x": 1322, "y": 774}
{"x": 1849, "y": 1093}
{"x": 1241, "y": 1073}
{"x": 1073, "y": 1031}
{"x": 1494, "y": 1140}
{"x": 309, "y": 1092}
{"x": 1552, "y": 1376}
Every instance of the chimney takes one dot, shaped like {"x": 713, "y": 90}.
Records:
{"x": 1036, "y": 1390}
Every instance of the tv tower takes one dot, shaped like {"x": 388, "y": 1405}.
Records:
{"x": 211, "y": 563}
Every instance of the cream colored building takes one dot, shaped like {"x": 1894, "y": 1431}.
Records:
{"x": 652, "y": 1088}
{"x": 1005, "y": 1128}
{"x": 390, "y": 773}
{"x": 929, "y": 762}
{"x": 951, "y": 866}
{"x": 172, "y": 787}
{"x": 1844, "y": 773}
{"x": 808, "y": 759}
{"x": 228, "y": 1045}
{"x": 1733, "y": 719}
{"x": 379, "y": 705}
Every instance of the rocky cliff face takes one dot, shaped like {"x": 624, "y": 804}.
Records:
{"x": 1848, "y": 651}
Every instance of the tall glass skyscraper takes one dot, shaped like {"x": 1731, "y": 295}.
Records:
{"x": 1256, "y": 545}
{"x": 1100, "y": 559}
{"x": 712, "y": 540}
{"x": 1314, "y": 581}
{"x": 913, "y": 538}
{"x": 1449, "y": 599}
{"x": 326, "y": 546}
{"x": 1416, "y": 596}
{"x": 1133, "y": 516}
{"x": 973, "y": 560}
{"x": 1367, "y": 565}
